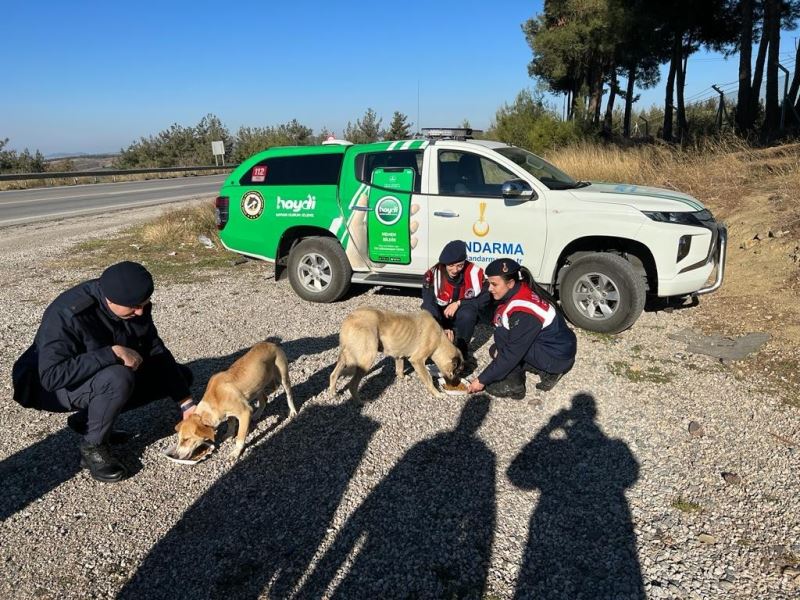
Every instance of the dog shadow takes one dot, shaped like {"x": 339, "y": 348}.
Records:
{"x": 41, "y": 467}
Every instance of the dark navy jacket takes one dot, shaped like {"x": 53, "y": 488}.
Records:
{"x": 529, "y": 329}
{"x": 74, "y": 342}
{"x": 457, "y": 289}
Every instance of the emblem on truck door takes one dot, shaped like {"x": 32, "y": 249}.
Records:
{"x": 252, "y": 205}
{"x": 481, "y": 227}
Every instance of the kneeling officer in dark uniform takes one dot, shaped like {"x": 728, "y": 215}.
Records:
{"x": 455, "y": 294}
{"x": 530, "y": 334}
{"x": 97, "y": 352}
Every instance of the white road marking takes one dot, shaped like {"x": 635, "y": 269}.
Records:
{"x": 104, "y": 194}
{"x": 96, "y": 209}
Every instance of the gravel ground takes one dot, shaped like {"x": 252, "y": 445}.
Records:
{"x": 594, "y": 490}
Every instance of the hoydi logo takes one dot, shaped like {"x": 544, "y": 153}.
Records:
{"x": 297, "y": 205}
{"x": 388, "y": 210}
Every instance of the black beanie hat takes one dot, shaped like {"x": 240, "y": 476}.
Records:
{"x": 502, "y": 266}
{"x": 127, "y": 284}
{"x": 453, "y": 252}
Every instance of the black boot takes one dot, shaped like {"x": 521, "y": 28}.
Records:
{"x": 77, "y": 422}
{"x": 513, "y": 386}
{"x": 101, "y": 463}
{"x": 549, "y": 381}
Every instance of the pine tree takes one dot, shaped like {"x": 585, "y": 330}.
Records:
{"x": 366, "y": 130}
{"x": 399, "y": 129}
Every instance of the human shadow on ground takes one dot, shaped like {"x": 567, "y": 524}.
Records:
{"x": 259, "y": 525}
{"x": 581, "y": 542}
{"x": 426, "y": 530}
{"x": 36, "y": 470}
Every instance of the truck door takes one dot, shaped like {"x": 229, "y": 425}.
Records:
{"x": 466, "y": 203}
{"x": 385, "y": 219}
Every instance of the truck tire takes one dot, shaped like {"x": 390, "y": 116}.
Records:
{"x": 602, "y": 292}
{"x": 319, "y": 270}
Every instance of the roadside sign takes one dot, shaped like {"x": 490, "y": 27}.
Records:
{"x": 218, "y": 149}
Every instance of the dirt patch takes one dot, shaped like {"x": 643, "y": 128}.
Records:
{"x": 762, "y": 282}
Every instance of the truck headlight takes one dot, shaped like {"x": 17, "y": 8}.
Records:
{"x": 679, "y": 218}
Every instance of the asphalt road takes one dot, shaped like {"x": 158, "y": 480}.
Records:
{"x": 42, "y": 204}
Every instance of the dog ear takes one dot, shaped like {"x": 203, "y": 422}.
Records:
{"x": 178, "y": 426}
{"x": 206, "y": 432}
{"x": 457, "y": 362}
{"x": 204, "y": 420}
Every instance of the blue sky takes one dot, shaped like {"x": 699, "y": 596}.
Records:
{"x": 95, "y": 76}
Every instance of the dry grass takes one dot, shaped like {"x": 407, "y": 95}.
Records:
{"x": 168, "y": 246}
{"x": 716, "y": 172}
{"x": 181, "y": 226}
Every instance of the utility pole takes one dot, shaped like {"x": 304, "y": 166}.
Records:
{"x": 721, "y": 110}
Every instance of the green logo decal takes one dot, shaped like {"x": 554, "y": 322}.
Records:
{"x": 388, "y": 210}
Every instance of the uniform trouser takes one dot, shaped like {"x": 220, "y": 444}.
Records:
{"x": 463, "y": 322}
{"x": 115, "y": 389}
{"x": 540, "y": 360}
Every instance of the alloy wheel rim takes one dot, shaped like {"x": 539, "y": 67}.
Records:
{"x": 596, "y": 296}
{"x": 314, "y": 272}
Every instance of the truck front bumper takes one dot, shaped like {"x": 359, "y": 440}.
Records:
{"x": 694, "y": 280}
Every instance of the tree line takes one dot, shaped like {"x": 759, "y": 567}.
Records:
{"x": 180, "y": 145}
{"x": 583, "y": 48}
{"x": 12, "y": 161}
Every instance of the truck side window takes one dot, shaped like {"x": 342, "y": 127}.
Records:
{"x": 466, "y": 174}
{"x": 366, "y": 163}
{"x": 310, "y": 169}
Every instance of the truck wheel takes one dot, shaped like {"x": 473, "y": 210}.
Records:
{"x": 602, "y": 292}
{"x": 319, "y": 270}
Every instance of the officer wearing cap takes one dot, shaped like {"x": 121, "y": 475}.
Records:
{"x": 97, "y": 353}
{"x": 530, "y": 334}
{"x": 455, "y": 294}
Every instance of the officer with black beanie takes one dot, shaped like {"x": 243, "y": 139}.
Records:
{"x": 530, "y": 334}
{"x": 454, "y": 292}
{"x": 96, "y": 354}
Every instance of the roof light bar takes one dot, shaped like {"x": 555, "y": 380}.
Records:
{"x": 452, "y": 133}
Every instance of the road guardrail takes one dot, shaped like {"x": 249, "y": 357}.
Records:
{"x": 109, "y": 172}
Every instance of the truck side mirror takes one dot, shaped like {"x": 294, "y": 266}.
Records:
{"x": 518, "y": 189}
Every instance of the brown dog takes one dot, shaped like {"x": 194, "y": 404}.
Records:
{"x": 228, "y": 394}
{"x": 416, "y": 336}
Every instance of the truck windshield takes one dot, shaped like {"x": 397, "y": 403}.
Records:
{"x": 548, "y": 174}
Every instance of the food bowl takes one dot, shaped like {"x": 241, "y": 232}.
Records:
{"x": 202, "y": 452}
{"x": 460, "y": 389}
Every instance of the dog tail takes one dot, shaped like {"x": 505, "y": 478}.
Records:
{"x": 282, "y": 364}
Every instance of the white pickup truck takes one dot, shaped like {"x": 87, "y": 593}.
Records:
{"x": 380, "y": 214}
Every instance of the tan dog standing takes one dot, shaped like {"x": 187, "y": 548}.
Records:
{"x": 228, "y": 394}
{"x": 416, "y": 336}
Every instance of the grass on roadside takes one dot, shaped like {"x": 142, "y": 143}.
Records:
{"x": 638, "y": 374}
{"x": 168, "y": 246}
{"x": 718, "y": 170}
{"x": 686, "y": 506}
